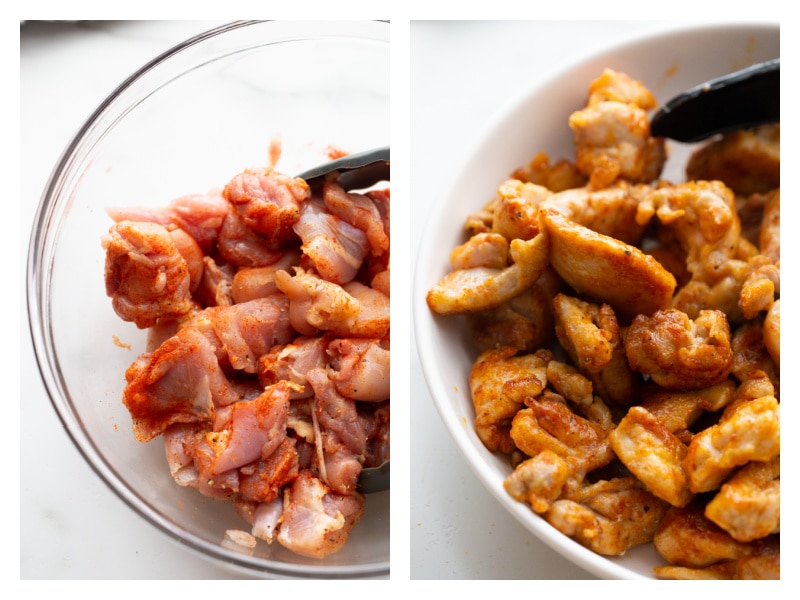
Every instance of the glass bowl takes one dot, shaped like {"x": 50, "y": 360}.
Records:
{"x": 187, "y": 122}
{"x": 533, "y": 120}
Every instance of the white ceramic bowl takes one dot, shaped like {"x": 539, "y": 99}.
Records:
{"x": 536, "y": 120}
{"x": 186, "y": 123}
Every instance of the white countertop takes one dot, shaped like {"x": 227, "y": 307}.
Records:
{"x": 72, "y": 526}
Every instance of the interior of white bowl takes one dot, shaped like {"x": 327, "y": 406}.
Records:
{"x": 186, "y": 123}
{"x": 537, "y": 120}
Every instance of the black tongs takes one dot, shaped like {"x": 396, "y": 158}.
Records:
{"x": 356, "y": 171}
{"x": 739, "y": 100}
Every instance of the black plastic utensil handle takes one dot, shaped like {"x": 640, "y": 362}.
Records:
{"x": 356, "y": 171}
{"x": 740, "y": 100}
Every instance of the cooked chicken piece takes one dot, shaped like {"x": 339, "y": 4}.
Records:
{"x": 772, "y": 332}
{"x": 558, "y": 176}
{"x": 612, "y": 516}
{"x": 577, "y": 389}
{"x": 703, "y": 217}
{"x": 551, "y": 425}
{"x": 748, "y": 161}
{"x": 499, "y": 382}
{"x": 653, "y": 454}
{"x": 750, "y": 353}
{"x": 760, "y": 288}
{"x": 678, "y": 410}
{"x": 605, "y": 268}
{"x": 249, "y": 283}
{"x": 359, "y": 210}
{"x": 524, "y": 322}
{"x": 748, "y": 430}
{"x": 612, "y": 134}
{"x": 481, "y": 221}
{"x": 147, "y": 276}
{"x": 489, "y": 250}
{"x": 748, "y": 505}
{"x": 317, "y": 521}
{"x": 679, "y": 353}
{"x": 538, "y": 480}
{"x": 610, "y": 211}
{"x": 516, "y": 210}
{"x": 592, "y": 338}
{"x": 334, "y": 248}
{"x": 687, "y": 538}
{"x": 769, "y": 235}
{"x": 481, "y": 288}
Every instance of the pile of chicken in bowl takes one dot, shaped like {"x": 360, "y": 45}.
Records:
{"x": 181, "y": 384}
{"x": 607, "y": 317}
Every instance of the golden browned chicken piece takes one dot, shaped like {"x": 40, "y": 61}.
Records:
{"x": 748, "y": 430}
{"x": 489, "y": 250}
{"x": 550, "y": 425}
{"x": 592, "y": 338}
{"x": 605, "y": 268}
{"x": 499, "y": 383}
{"x": 516, "y": 210}
{"x": 697, "y": 548}
{"x": 751, "y": 355}
{"x": 678, "y": 410}
{"x": 612, "y": 134}
{"x": 611, "y": 211}
{"x": 772, "y": 332}
{"x": 481, "y": 288}
{"x": 679, "y": 353}
{"x": 560, "y": 175}
{"x": 578, "y": 390}
{"x": 769, "y": 235}
{"x": 748, "y": 505}
{"x": 538, "y": 480}
{"x": 524, "y": 322}
{"x": 653, "y": 454}
{"x": 748, "y": 161}
{"x": 609, "y": 517}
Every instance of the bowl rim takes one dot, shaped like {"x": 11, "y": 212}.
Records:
{"x": 39, "y": 262}
{"x": 423, "y": 319}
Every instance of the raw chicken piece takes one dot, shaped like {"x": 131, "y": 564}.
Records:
{"x": 359, "y": 210}
{"x": 215, "y": 285}
{"x": 250, "y": 283}
{"x": 316, "y": 520}
{"x": 268, "y": 202}
{"x": 291, "y": 362}
{"x": 180, "y": 382}
{"x": 373, "y": 317}
{"x": 146, "y": 276}
{"x": 256, "y": 428}
{"x": 316, "y": 304}
{"x": 199, "y": 215}
{"x": 333, "y": 247}
{"x": 240, "y": 245}
{"x": 359, "y": 368}
{"x": 263, "y": 479}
